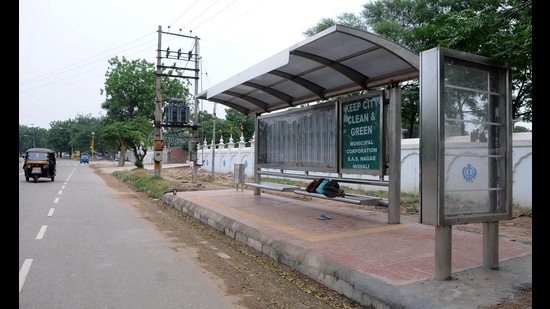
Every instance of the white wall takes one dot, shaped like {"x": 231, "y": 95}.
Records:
{"x": 522, "y": 168}
{"x": 226, "y": 155}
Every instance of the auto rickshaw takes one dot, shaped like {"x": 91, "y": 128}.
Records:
{"x": 39, "y": 162}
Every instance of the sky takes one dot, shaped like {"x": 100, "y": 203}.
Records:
{"x": 65, "y": 45}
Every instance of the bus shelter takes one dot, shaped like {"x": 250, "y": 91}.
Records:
{"x": 466, "y": 125}
{"x": 335, "y": 62}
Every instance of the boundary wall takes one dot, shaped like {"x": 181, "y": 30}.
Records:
{"x": 226, "y": 155}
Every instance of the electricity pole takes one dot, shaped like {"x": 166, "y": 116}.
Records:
{"x": 158, "y": 146}
{"x": 175, "y": 55}
{"x": 196, "y": 126}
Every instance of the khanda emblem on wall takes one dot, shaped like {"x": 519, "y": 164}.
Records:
{"x": 469, "y": 173}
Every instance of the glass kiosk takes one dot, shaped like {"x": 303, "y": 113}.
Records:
{"x": 465, "y": 148}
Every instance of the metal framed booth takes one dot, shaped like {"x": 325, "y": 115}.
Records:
{"x": 465, "y": 148}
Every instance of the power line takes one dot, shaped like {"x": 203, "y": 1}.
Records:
{"x": 85, "y": 63}
{"x": 192, "y": 5}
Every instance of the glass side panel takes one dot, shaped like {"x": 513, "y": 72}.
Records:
{"x": 473, "y": 155}
{"x": 301, "y": 140}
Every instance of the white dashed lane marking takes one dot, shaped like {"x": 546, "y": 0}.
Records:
{"x": 42, "y": 232}
{"x": 23, "y": 273}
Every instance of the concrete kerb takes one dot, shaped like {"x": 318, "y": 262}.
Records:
{"x": 470, "y": 288}
{"x": 358, "y": 286}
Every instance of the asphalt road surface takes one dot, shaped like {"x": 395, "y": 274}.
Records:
{"x": 83, "y": 245}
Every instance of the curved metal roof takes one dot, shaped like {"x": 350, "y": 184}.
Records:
{"x": 334, "y": 62}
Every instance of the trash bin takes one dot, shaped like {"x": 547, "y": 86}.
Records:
{"x": 238, "y": 176}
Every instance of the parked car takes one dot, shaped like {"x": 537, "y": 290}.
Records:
{"x": 84, "y": 158}
{"x": 39, "y": 162}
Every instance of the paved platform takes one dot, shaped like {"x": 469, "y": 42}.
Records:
{"x": 359, "y": 254}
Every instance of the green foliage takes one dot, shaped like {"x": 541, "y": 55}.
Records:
{"x": 411, "y": 201}
{"x": 145, "y": 181}
{"x": 63, "y": 136}
{"x": 133, "y": 134}
{"x": 240, "y": 124}
{"x": 345, "y": 19}
{"x": 522, "y": 211}
{"x": 410, "y": 110}
{"x": 131, "y": 103}
{"x": 321, "y": 25}
{"x": 130, "y": 88}
{"x": 226, "y": 128}
{"x": 412, "y": 209}
{"x": 59, "y": 136}
{"x": 30, "y": 137}
{"x": 519, "y": 129}
{"x": 80, "y": 131}
{"x": 498, "y": 29}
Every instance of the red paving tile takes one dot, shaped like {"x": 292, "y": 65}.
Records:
{"x": 354, "y": 237}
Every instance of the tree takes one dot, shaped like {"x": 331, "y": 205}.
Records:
{"x": 132, "y": 134}
{"x": 81, "y": 130}
{"x": 30, "y": 137}
{"x": 498, "y": 29}
{"x": 27, "y": 138}
{"x": 345, "y": 19}
{"x": 63, "y": 136}
{"x": 138, "y": 137}
{"x": 130, "y": 90}
{"x": 59, "y": 136}
{"x": 240, "y": 124}
{"x": 234, "y": 124}
{"x": 501, "y": 30}
{"x": 410, "y": 110}
{"x": 115, "y": 134}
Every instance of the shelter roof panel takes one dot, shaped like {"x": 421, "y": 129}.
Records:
{"x": 328, "y": 78}
{"x": 291, "y": 88}
{"x": 336, "y": 61}
{"x": 341, "y": 45}
{"x": 378, "y": 63}
{"x": 299, "y": 65}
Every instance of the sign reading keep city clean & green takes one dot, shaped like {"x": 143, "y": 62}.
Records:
{"x": 361, "y": 133}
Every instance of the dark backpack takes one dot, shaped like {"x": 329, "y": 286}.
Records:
{"x": 312, "y": 186}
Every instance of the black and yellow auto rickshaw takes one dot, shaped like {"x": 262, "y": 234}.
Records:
{"x": 39, "y": 162}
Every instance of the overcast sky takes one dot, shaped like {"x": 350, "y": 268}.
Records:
{"x": 64, "y": 45}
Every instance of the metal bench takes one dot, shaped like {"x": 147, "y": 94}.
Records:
{"x": 349, "y": 198}
{"x": 273, "y": 186}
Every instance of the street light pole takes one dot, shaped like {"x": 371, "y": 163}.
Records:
{"x": 71, "y": 154}
{"x": 33, "y": 141}
{"x": 93, "y": 134}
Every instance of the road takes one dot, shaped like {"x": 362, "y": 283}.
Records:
{"x": 82, "y": 244}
